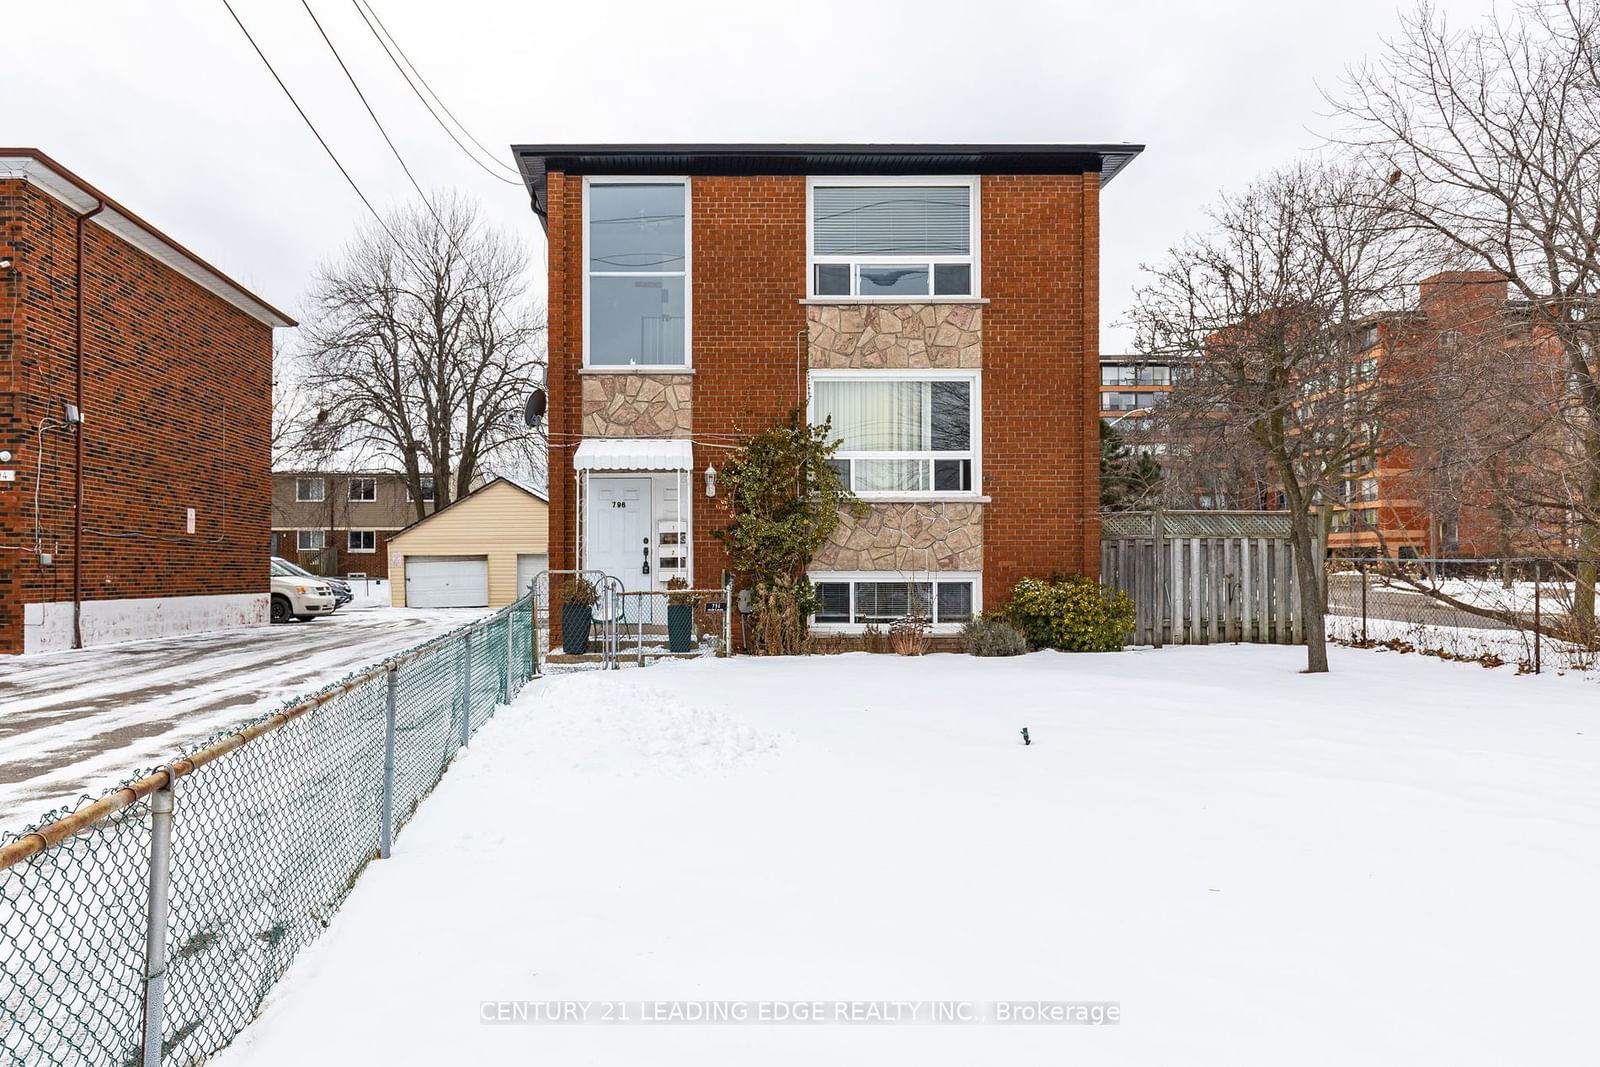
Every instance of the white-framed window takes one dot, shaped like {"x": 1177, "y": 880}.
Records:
{"x": 636, "y": 293}
{"x": 362, "y": 541}
{"x": 856, "y": 598}
{"x": 363, "y": 490}
{"x": 310, "y": 540}
{"x": 902, "y": 432}
{"x": 427, "y": 490}
{"x": 310, "y": 490}
{"x": 892, "y": 238}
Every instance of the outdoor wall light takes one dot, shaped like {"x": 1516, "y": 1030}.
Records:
{"x": 5, "y": 262}
{"x": 711, "y": 480}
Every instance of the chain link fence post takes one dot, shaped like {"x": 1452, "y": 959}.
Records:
{"x": 466, "y": 699}
{"x": 1538, "y": 578}
{"x": 505, "y": 673}
{"x": 156, "y": 912}
{"x": 387, "y": 838}
{"x": 1361, "y": 565}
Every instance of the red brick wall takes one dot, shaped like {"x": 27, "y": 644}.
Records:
{"x": 177, "y": 409}
{"x": 1041, "y": 377}
{"x": 1041, "y": 355}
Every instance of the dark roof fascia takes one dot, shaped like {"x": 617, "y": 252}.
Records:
{"x": 536, "y": 161}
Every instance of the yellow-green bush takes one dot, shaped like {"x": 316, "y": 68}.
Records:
{"x": 1071, "y": 614}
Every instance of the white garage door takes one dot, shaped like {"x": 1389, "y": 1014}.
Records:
{"x": 529, "y": 567}
{"x": 447, "y": 582}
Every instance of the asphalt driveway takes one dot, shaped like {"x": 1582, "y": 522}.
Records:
{"x": 79, "y": 722}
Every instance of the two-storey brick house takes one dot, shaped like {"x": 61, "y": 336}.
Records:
{"x": 939, "y": 303}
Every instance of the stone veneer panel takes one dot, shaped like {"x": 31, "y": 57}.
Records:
{"x": 637, "y": 405}
{"x": 907, "y": 537}
{"x": 895, "y": 335}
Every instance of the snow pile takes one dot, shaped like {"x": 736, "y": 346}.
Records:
{"x": 609, "y": 722}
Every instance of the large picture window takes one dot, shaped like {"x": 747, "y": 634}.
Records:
{"x": 856, "y": 600}
{"x": 638, "y": 274}
{"x": 893, "y": 241}
{"x": 901, "y": 435}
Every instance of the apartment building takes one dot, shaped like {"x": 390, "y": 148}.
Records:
{"x": 939, "y": 303}
{"x": 135, "y": 420}
{"x": 1427, "y": 493}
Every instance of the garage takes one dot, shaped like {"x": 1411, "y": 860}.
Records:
{"x": 529, "y": 567}
{"x": 447, "y": 581}
{"x": 478, "y": 551}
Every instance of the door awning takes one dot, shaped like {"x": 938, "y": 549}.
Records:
{"x": 634, "y": 454}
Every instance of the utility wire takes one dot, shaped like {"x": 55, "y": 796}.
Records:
{"x": 311, "y": 125}
{"x": 413, "y": 87}
{"x": 466, "y": 261}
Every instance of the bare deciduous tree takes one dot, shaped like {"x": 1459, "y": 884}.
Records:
{"x": 1491, "y": 138}
{"x": 1276, "y": 296}
{"x": 423, "y": 349}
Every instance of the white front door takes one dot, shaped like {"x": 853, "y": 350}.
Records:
{"x": 620, "y": 523}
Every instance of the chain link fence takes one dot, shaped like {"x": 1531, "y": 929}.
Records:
{"x": 1534, "y": 614}
{"x": 147, "y": 927}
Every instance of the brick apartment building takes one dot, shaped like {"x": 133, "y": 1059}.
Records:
{"x": 939, "y": 302}
{"x": 135, "y": 408}
{"x": 1393, "y": 501}
{"x": 339, "y": 522}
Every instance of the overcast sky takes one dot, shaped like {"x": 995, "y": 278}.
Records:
{"x": 165, "y": 107}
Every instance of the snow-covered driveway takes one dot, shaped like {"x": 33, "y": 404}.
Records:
{"x": 1397, "y": 863}
{"x": 78, "y": 722}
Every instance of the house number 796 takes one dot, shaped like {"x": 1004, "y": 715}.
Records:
{"x": 619, "y": 503}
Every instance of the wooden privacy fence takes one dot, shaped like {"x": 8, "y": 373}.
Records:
{"x": 1199, "y": 577}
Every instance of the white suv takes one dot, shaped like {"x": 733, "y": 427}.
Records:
{"x": 298, "y": 597}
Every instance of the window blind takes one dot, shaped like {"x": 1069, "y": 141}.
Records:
{"x": 882, "y": 220}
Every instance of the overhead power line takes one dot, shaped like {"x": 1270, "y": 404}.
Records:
{"x": 310, "y": 125}
{"x": 385, "y": 45}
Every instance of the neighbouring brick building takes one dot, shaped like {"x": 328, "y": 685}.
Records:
{"x": 152, "y": 511}
{"x": 339, "y": 522}
{"x": 939, "y": 302}
{"x": 1439, "y": 494}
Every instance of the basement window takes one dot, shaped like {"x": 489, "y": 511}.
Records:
{"x": 860, "y": 599}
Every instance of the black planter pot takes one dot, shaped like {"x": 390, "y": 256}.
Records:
{"x": 575, "y": 622}
{"x": 680, "y": 627}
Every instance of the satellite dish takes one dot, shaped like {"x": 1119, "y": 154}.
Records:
{"x": 534, "y": 411}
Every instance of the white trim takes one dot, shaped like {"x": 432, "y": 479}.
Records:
{"x": 688, "y": 271}
{"x": 48, "y": 180}
{"x": 975, "y": 429}
{"x": 974, "y": 240}
{"x": 846, "y": 301}
{"x": 975, "y": 577}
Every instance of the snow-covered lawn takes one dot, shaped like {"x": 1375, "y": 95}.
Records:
{"x": 1397, "y": 863}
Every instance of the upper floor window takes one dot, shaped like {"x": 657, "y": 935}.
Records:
{"x": 637, "y": 244}
{"x": 893, "y": 240}
{"x": 901, "y": 434}
{"x": 363, "y": 490}
{"x": 427, "y": 489}
{"x": 309, "y": 490}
